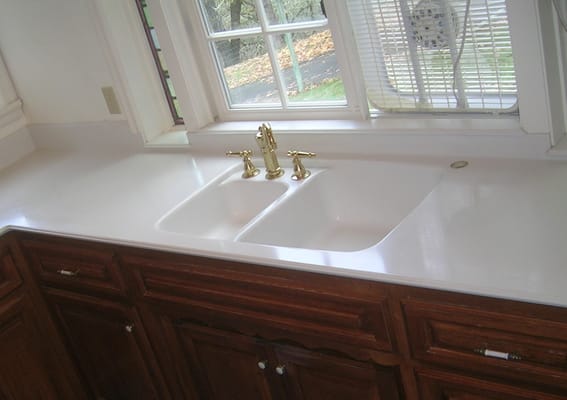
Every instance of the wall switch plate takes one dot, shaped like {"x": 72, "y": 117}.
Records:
{"x": 111, "y": 100}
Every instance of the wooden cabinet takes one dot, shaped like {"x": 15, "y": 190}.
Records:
{"x": 144, "y": 324}
{"x": 109, "y": 345}
{"x": 31, "y": 363}
{"x": 83, "y": 287}
{"x": 309, "y": 375}
{"x": 24, "y": 365}
{"x": 223, "y": 365}
{"x": 241, "y": 332}
{"x": 522, "y": 346}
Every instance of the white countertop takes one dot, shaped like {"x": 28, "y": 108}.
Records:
{"x": 497, "y": 227}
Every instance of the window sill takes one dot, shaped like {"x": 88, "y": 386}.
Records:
{"x": 386, "y": 125}
{"x": 411, "y": 135}
{"x": 414, "y": 125}
{"x": 176, "y": 138}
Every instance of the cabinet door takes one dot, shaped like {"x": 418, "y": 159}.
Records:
{"x": 109, "y": 345}
{"x": 225, "y": 366}
{"x": 314, "y": 376}
{"x": 25, "y": 371}
{"x": 438, "y": 385}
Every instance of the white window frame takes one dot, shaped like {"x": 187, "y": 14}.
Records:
{"x": 191, "y": 14}
{"x": 205, "y": 110}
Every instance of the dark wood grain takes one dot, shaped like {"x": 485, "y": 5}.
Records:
{"x": 109, "y": 345}
{"x": 203, "y": 324}
{"x": 92, "y": 266}
{"x": 33, "y": 364}
{"x": 438, "y": 385}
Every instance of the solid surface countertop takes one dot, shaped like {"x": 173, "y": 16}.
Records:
{"x": 496, "y": 228}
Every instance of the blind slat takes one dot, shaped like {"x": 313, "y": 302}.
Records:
{"x": 407, "y": 61}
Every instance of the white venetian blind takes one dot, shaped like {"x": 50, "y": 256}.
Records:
{"x": 435, "y": 55}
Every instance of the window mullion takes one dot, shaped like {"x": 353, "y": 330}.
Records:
{"x": 240, "y": 33}
{"x": 268, "y": 39}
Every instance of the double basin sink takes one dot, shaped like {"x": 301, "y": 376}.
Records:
{"x": 344, "y": 206}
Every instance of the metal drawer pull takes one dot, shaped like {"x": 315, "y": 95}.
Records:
{"x": 66, "y": 272}
{"x": 280, "y": 369}
{"x": 262, "y": 364}
{"x": 129, "y": 328}
{"x": 498, "y": 354}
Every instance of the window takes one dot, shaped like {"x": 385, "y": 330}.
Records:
{"x": 436, "y": 55}
{"x": 415, "y": 55}
{"x": 199, "y": 39}
{"x": 159, "y": 60}
{"x": 273, "y": 53}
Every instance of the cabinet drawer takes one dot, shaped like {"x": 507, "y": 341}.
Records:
{"x": 488, "y": 342}
{"x": 74, "y": 265}
{"x": 318, "y": 311}
{"x": 440, "y": 385}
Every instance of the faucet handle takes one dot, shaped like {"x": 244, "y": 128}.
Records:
{"x": 249, "y": 169}
{"x": 299, "y": 171}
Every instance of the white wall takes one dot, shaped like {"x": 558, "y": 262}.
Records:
{"x": 56, "y": 60}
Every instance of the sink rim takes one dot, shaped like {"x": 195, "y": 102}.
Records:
{"x": 293, "y": 190}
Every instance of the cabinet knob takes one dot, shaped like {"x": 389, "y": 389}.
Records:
{"x": 280, "y": 369}
{"x": 263, "y": 364}
{"x": 129, "y": 328}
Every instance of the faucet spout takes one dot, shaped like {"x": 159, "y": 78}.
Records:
{"x": 267, "y": 143}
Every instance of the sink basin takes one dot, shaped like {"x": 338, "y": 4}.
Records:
{"x": 222, "y": 208}
{"x": 349, "y": 207}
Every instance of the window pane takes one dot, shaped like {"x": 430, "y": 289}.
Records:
{"x": 247, "y": 71}
{"x": 289, "y": 11}
{"x": 228, "y": 15}
{"x": 292, "y": 66}
{"x": 309, "y": 67}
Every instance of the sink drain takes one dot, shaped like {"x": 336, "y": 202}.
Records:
{"x": 459, "y": 164}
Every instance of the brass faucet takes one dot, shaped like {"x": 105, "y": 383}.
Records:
{"x": 268, "y": 146}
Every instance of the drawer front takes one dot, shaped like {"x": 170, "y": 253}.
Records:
{"x": 488, "y": 342}
{"x": 74, "y": 265}
{"x": 268, "y": 301}
{"x": 440, "y": 385}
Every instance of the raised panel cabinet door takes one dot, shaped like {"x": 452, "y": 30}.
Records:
{"x": 225, "y": 366}
{"x": 109, "y": 345}
{"x": 313, "y": 376}
{"x": 439, "y": 385}
{"x": 25, "y": 371}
